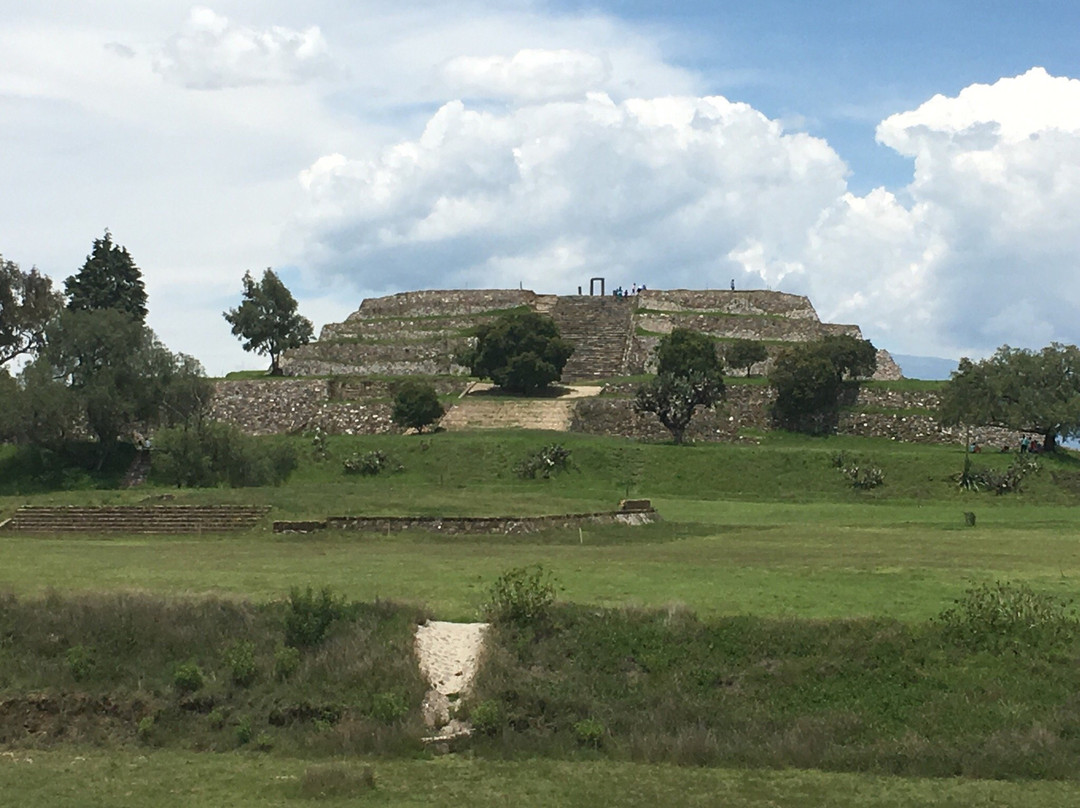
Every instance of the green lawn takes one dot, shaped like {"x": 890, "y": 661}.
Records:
{"x": 166, "y": 779}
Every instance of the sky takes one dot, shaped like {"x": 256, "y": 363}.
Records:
{"x": 913, "y": 168}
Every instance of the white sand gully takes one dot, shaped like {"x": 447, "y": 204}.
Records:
{"x": 448, "y": 654}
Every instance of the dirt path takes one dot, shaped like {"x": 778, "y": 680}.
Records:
{"x": 448, "y": 654}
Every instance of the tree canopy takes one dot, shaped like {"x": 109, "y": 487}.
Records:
{"x": 689, "y": 375}
{"x": 809, "y": 378}
{"x": 108, "y": 280}
{"x": 27, "y": 303}
{"x": 521, "y": 352}
{"x": 416, "y": 406}
{"x": 267, "y": 319}
{"x": 684, "y": 352}
{"x": 1030, "y": 391}
{"x": 745, "y": 353}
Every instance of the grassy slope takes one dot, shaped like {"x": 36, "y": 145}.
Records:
{"x": 769, "y": 529}
{"x": 169, "y": 779}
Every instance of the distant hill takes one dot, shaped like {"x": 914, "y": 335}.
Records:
{"x": 925, "y": 367}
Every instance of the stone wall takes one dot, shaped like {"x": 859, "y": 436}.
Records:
{"x": 444, "y": 301}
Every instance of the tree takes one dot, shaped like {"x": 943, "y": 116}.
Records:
{"x": 810, "y": 377}
{"x": 118, "y": 375}
{"x": 267, "y": 319}
{"x": 108, "y": 280}
{"x": 521, "y": 352}
{"x": 673, "y": 399}
{"x": 689, "y": 375}
{"x": 683, "y": 352}
{"x": 745, "y": 353}
{"x": 27, "y": 303}
{"x": 1018, "y": 389}
{"x": 416, "y": 406}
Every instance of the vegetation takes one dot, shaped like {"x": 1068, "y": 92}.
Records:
{"x": 810, "y": 377}
{"x": 521, "y": 352}
{"x": 552, "y": 459}
{"x": 416, "y": 406}
{"x": 267, "y": 319}
{"x": 27, "y": 304}
{"x": 1018, "y": 389}
{"x": 211, "y": 453}
{"x": 109, "y": 280}
{"x": 745, "y": 353}
{"x": 688, "y": 375}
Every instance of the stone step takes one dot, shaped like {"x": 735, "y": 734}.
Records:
{"x": 135, "y": 519}
{"x": 498, "y": 413}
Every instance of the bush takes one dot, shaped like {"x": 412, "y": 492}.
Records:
{"x": 416, "y": 406}
{"x": 590, "y": 732}
{"x": 243, "y": 731}
{"x": 861, "y": 473}
{"x": 487, "y": 717}
{"x": 240, "y": 659}
{"x": 550, "y": 460}
{"x": 367, "y": 464}
{"x": 388, "y": 707}
{"x": 1009, "y": 481}
{"x": 188, "y": 677}
{"x": 522, "y": 596}
{"x": 309, "y": 616}
{"x": 213, "y": 453}
{"x": 1007, "y": 615}
{"x": 286, "y": 662}
{"x": 81, "y": 662}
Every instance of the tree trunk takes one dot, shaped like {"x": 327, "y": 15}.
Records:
{"x": 1049, "y": 442}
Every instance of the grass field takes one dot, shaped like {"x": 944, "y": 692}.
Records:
{"x": 769, "y": 529}
{"x": 167, "y": 779}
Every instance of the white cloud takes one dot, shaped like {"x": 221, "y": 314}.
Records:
{"x": 210, "y": 52}
{"x": 530, "y": 74}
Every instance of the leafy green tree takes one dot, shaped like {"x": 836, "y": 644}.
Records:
{"x": 683, "y": 352}
{"x": 809, "y": 379}
{"x": 745, "y": 353}
{"x": 267, "y": 319}
{"x": 211, "y": 453}
{"x": 674, "y": 399}
{"x": 118, "y": 374}
{"x": 689, "y": 375}
{"x": 40, "y": 409}
{"x": 27, "y": 303}
{"x": 108, "y": 280}
{"x": 1030, "y": 391}
{"x": 521, "y": 352}
{"x": 416, "y": 406}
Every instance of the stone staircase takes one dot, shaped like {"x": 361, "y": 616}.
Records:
{"x": 601, "y": 329}
{"x": 496, "y": 412}
{"x": 135, "y": 519}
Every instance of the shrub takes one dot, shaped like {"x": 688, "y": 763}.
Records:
{"x": 188, "y": 677}
{"x": 367, "y": 464}
{"x": 145, "y": 729}
{"x": 521, "y": 596}
{"x": 388, "y": 707}
{"x": 243, "y": 731}
{"x": 487, "y": 717}
{"x": 264, "y": 741}
{"x": 552, "y": 459}
{"x": 80, "y": 662}
{"x": 240, "y": 659}
{"x": 590, "y": 732}
{"x": 1007, "y": 615}
{"x": 286, "y": 662}
{"x": 308, "y": 616}
{"x": 416, "y": 406}
{"x": 213, "y": 453}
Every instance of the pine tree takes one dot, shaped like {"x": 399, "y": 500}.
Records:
{"x": 108, "y": 280}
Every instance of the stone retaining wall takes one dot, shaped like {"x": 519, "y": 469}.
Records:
{"x": 290, "y": 406}
{"x": 464, "y": 525}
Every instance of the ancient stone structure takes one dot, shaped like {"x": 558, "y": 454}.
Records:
{"x": 421, "y": 332}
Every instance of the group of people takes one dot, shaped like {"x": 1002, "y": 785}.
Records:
{"x": 633, "y": 290}
{"x": 1027, "y": 445}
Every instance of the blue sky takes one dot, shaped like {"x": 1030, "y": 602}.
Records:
{"x": 912, "y": 167}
